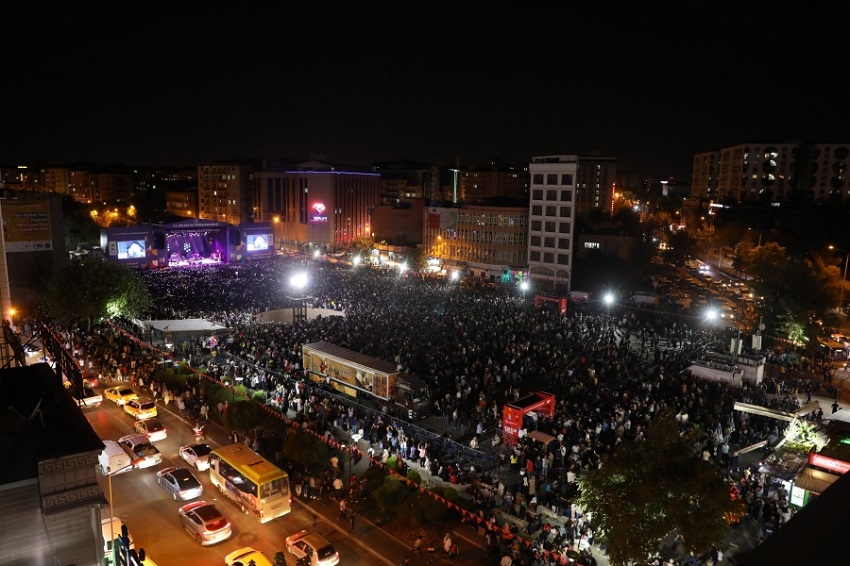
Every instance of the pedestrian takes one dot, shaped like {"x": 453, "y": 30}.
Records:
{"x": 447, "y": 543}
{"x": 234, "y": 436}
{"x": 338, "y": 487}
{"x": 315, "y": 520}
{"x": 417, "y": 545}
{"x": 835, "y": 407}
{"x": 351, "y": 522}
{"x": 342, "y": 509}
{"x": 406, "y": 561}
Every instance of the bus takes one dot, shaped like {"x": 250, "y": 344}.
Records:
{"x": 252, "y": 482}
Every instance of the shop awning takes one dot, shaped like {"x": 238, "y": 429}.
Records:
{"x": 774, "y": 413}
{"x": 541, "y": 436}
{"x": 814, "y": 480}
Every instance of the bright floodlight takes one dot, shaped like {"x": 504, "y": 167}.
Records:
{"x": 299, "y": 280}
{"x": 317, "y": 253}
{"x": 711, "y": 314}
{"x": 402, "y": 267}
{"x": 524, "y": 285}
{"x": 455, "y": 275}
{"x": 356, "y": 260}
{"x": 608, "y": 298}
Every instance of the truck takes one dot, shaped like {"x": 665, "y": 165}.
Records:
{"x": 362, "y": 376}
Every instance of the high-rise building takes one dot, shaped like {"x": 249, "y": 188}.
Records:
{"x": 404, "y": 181}
{"x": 224, "y": 193}
{"x": 594, "y": 187}
{"x": 316, "y": 203}
{"x": 552, "y": 220}
{"x": 775, "y": 172}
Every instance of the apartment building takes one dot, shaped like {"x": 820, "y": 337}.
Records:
{"x": 224, "y": 193}
{"x": 552, "y": 220}
{"x": 594, "y": 186}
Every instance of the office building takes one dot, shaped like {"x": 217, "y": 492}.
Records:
{"x": 224, "y": 193}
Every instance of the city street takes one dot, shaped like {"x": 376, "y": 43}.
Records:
{"x": 151, "y": 514}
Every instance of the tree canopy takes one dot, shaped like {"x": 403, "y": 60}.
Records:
{"x": 647, "y": 489}
{"x": 92, "y": 289}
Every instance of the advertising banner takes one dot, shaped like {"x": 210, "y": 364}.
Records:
{"x": 26, "y": 226}
{"x": 347, "y": 374}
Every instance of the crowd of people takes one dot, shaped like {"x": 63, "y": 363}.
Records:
{"x": 477, "y": 348}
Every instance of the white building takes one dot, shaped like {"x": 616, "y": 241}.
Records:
{"x": 551, "y": 221}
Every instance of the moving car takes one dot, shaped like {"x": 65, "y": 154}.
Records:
{"x": 152, "y": 428}
{"x": 315, "y": 546}
{"x": 197, "y": 455}
{"x": 180, "y": 483}
{"x": 140, "y": 408}
{"x": 146, "y": 455}
{"x": 205, "y": 523}
{"x": 88, "y": 398}
{"x": 120, "y": 394}
{"x": 246, "y": 556}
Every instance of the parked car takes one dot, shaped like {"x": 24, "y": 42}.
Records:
{"x": 152, "y": 428}
{"x": 141, "y": 408}
{"x": 180, "y": 483}
{"x": 197, "y": 455}
{"x": 320, "y": 551}
{"x": 120, "y": 394}
{"x": 205, "y": 523}
{"x": 246, "y": 556}
{"x": 146, "y": 454}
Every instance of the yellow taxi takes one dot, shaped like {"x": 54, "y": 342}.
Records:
{"x": 141, "y": 408}
{"x": 120, "y": 394}
{"x": 245, "y": 556}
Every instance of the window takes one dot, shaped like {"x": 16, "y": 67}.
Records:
{"x": 563, "y": 259}
{"x": 550, "y": 210}
{"x": 548, "y": 257}
{"x": 563, "y": 243}
{"x": 537, "y": 194}
{"x": 549, "y": 242}
{"x": 535, "y": 240}
{"x": 538, "y": 179}
{"x": 567, "y": 179}
{"x": 566, "y": 196}
{"x": 551, "y": 194}
{"x": 537, "y": 210}
{"x": 550, "y": 226}
{"x": 535, "y": 256}
{"x": 552, "y": 179}
{"x": 564, "y": 228}
{"x": 536, "y": 225}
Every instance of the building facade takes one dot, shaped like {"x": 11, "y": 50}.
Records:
{"x": 224, "y": 193}
{"x": 486, "y": 239}
{"x": 399, "y": 224}
{"x": 315, "y": 204}
{"x": 776, "y": 172}
{"x": 552, "y": 221}
{"x": 494, "y": 180}
{"x": 594, "y": 186}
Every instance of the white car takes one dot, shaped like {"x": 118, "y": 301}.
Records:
{"x": 152, "y": 428}
{"x": 313, "y": 545}
{"x": 197, "y": 455}
{"x": 146, "y": 455}
{"x": 204, "y": 523}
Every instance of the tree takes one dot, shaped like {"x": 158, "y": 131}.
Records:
{"x": 241, "y": 415}
{"x": 364, "y": 244}
{"x": 647, "y": 489}
{"x": 93, "y": 289}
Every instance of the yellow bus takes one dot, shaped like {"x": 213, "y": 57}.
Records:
{"x": 252, "y": 482}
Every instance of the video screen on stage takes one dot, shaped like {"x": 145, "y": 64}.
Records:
{"x": 131, "y": 249}
{"x": 258, "y": 242}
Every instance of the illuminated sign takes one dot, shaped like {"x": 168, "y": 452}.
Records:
{"x": 831, "y": 464}
{"x": 319, "y": 210}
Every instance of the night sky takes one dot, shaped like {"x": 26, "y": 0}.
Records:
{"x": 651, "y": 83}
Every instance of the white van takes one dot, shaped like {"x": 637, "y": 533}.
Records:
{"x": 114, "y": 459}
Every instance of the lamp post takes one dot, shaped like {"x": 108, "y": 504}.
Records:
{"x": 298, "y": 282}
{"x": 454, "y": 185}
{"x": 844, "y": 277}
{"x": 346, "y": 463}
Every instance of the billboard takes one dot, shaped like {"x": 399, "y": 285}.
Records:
{"x": 442, "y": 218}
{"x": 258, "y": 242}
{"x": 26, "y": 226}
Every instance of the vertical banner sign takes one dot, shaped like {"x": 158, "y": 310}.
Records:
{"x": 26, "y": 226}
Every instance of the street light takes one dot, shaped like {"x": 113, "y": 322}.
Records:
{"x": 844, "y": 277}
{"x": 298, "y": 282}
{"x": 524, "y": 286}
{"x": 346, "y": 451}
{"x": 608, "y": 299}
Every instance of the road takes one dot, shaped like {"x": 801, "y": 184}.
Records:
{"x": 151, "y": 514}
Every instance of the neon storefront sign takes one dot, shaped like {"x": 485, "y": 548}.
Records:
{"x": 318, "y": 215}
{"x": 827, "y": 463}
